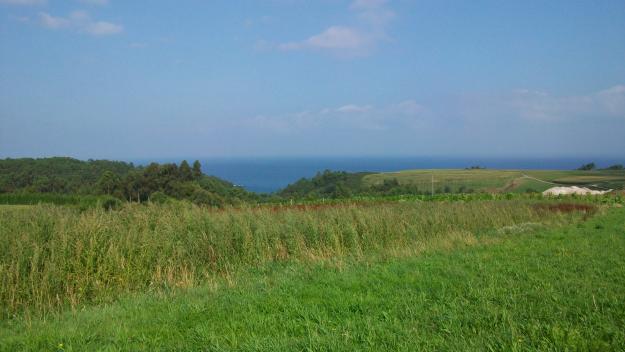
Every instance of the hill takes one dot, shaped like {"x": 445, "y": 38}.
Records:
{"x": 38, "y": 178}
{"x": 327, "y": 184}
{"x": 496, "y": 181}
{"x": 57, "y": 174}
{"x": 338, "y": 184}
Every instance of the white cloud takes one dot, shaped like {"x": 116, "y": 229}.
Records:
{"x": 334, "y": 38}
{"x": 53, "y": 22}
{"x": 408, "y": 107}
{"x": 95, "y": 2}
{"x": 542, "y": 107}
{"x": 23, "y": 2}
{"x": 535, "y": 105}
{"x": 103, "y": 28}
{"x": 23, "y": 19}
{"x": 79, "y": 16}
{"x": 80, "y": 21}
{"x": 357, "y": 40}
{"x": 263, "y": 20}
{"x": 405, "y": 115}
{"x": 367, "y": 4}
{"x": 612, "y": 100}
{"x": 138, "y": 45}
{"x": 351, "y": 108}
{"x": 374, "y": 12}
{"x": 524, "y": 109}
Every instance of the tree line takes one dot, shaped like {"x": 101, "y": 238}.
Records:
{"x": 124, "y": 181}
{"x": 593, "y": 166}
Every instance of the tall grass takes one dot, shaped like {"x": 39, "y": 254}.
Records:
{"x": 53, "y": 257}
{"x": 83, "y": 201}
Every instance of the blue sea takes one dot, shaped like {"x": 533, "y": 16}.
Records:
{"x": 271, "y": 174}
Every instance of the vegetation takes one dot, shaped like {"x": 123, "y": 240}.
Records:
{"x": 53, "y": 178}
{"x": 163, "y": 257}
{"x": 488, "y": 278}
{"x": 327, "y": 184}
{"x": 587, "y": 167}
{"x": 425, "y": 182}
{"x": 57, "y": 175}
{"x": 64, "y": 180}
{"x": 497, "y": 181}
{"x": 81, "y": 201}
{"x": 53, "y": 257}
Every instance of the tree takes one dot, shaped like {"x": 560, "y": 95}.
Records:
{"x": 42, "y": 184}
{"x": 587, "y": 167}
{"x": 341, "y": 191}
{"x": 615, "y": 167}
{"x": 197, "y": 170}
{"x": 159, "y": 197}
{"x": 204, "y": 197}
{"x": 108, "y": 182}
{"x": 185, "y": 171}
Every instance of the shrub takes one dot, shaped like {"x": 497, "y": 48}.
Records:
{"x": 110, "y": 203}
{"x": 203, "y": 197}
{"x": 587, "y": 167}
{"x": 159, "y": 197}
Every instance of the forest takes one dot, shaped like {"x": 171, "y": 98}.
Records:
{"x": 117, "y": 180}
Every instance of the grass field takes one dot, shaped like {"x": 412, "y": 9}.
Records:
{"x": 54, "y": 257}
{"x": 496, "y": 286}
{"x": 485, "y": 180}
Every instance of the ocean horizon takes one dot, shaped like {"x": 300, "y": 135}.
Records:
{"x": 266, "y": 175}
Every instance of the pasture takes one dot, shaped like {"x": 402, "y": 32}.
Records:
{"x": 497, "y": 181}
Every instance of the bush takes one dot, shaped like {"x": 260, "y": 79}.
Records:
{"x": 159, "y": 197}
{"x": 203, "y": 197}
{"x": 110, "y": 203}
{"x": 587, "y": 167}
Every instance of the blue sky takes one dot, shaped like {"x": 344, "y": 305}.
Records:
{"x": 159, "y": 79}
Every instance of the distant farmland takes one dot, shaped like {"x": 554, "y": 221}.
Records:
{"x": 481, "y": 180}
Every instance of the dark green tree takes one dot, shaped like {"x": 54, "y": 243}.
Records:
{"x": 185, "y": 171}
{"x": 197, "y": 170}
{"x": 108, "y": 182}
{"x": 587, "y": 167}
{"x": 341, "y": 190}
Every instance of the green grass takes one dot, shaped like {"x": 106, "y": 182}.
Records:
{"x": 516, "y": 289}
{"x": 486, "y": 180}
{"x": 14, "y": 207}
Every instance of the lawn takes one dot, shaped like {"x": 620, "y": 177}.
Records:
{"x": 520, "y": 287}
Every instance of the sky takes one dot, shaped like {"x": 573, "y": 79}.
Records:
{"x": 269, "y": 78}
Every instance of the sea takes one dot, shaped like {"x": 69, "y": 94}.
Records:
{"x": 266, "y": 175}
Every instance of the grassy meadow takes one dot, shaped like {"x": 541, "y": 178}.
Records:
{"x": 54, "y": 257}
{"x": 481, "y": 275}
{"x": 498, "y": 181}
